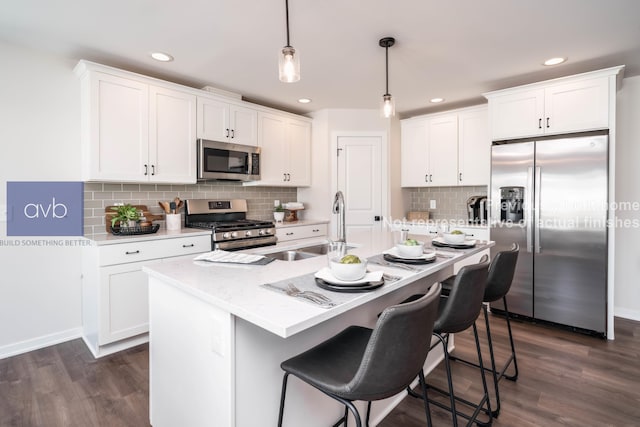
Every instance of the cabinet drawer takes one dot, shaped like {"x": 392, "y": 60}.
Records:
{"x": 153, "y": 249}
{"x": 301, "y": 232}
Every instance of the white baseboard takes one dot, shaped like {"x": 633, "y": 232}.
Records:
{"x": 627, "y": 313}
{"x": 39, "y": 342}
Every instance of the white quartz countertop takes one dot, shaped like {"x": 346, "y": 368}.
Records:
{"x": 110, "y": 239}
{"x": 236, "y": 288}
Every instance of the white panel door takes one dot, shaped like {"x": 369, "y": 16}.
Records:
{"x": 213, "y": 119}
{"x": 119, "y": 129}
{"x": 517, "y": 115}
{"x": 272, "y": 140}
{"x": 577, "y": 106}
{"x": 474, "y": 148}
{"x": 172, "y": 136}
{"x": 360, "y": 179}
{"x": 299, "y": 150}
{"x": 443, "y": 150}
{"x": 244, "y": 125}
{"x": 414, "y": 153}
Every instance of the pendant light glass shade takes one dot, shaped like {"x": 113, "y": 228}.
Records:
{"x": 289, "y": 65}
{"x": 387, "y": 106}
{"x": 289, "y": 59}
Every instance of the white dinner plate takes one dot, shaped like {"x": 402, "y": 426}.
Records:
{"x": 395, "y": 253}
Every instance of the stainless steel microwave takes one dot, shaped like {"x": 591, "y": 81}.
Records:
{"x": 225, "y": 161}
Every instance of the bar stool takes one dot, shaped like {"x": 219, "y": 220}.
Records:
{"x": 456, "y": 313}
{"x": 501, "y": 272}
{"x": 364, "y": 364}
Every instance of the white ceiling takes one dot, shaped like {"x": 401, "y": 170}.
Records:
{"x": 455, "y": 49}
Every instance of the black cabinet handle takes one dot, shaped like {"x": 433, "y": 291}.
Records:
{"x": 227, "y": 132}
{"x": 540, "y": 123}
{"x": 426, "y": 178}
{"x": 188, "y": 246}
{"x": 132, "y": 252}
{"x": 233, "y": 133}
{"x": 460, "y": 176}
{"x": 146, "y": 170}
{"x": 430, "y": 179}
{"x": 153, "y": 170}
{"x": 288, "y": 234}
{"x": 315, "y": 230}
{"x": 547, "y": 122}
{"x": 284, "y": 176}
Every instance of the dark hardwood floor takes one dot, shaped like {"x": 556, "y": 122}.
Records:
{"x": 566, "y": 379}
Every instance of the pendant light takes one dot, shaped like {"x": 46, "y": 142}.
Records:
{"x": 388, "y": 105}
{"x": 289, "y": 59}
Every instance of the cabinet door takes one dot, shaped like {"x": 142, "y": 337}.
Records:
{"x": 577, "y": 106}
{"x": 117, "y": 129}
{"x": 414, "y": 168}
{"x": 124, "y": 307}
{"x": 442, "y": 139}
{"x": 474, "y": 148}
{"x": 299, "y": 158}
{"x": 274, "y": 156}
{"x": 172, "y": 129}
{"x": 244, "y": 125}
{"x": 517, "y": 115}
{"x": 213, "y": 120}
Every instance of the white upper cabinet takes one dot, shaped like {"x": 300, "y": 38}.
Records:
{"x": 571, "y": 104}
{"x": 172, "y": 124}
{"x": 226, "y": 122}
{"x": 133, "y": 131}
{"x": 446, "y": 149}
{"x": 285, "y": 159}
{"x": 474, "y": 147}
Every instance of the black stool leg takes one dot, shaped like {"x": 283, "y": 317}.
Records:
{"x": 494, "y": 374}
{"x": 447, "y": 364}
{"x": 485, "y": 399}
{"x": 423, "y": 384}
{"x": 513, "y": 377}
{"x": 282, "y": 394}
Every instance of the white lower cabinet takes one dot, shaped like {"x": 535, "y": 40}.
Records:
{"x": 300, "y": 232}
{"x": 115, "y": 295}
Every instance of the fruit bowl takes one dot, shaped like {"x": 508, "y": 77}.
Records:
{"x": 410, "y": 248}
{"x": 454, "y": 238}
{"x": 348, "y": 269}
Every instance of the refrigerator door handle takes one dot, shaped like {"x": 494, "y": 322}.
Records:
{"x": 529, "y": 209}
{"x": 536, "y": 197}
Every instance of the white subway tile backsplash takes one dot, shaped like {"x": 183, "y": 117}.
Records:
{"x": 451, "y": 202}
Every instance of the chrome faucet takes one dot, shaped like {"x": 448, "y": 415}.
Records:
{"x": 338, "y": 208}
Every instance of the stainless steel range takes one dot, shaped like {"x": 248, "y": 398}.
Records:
{"x": 231, "y": 230}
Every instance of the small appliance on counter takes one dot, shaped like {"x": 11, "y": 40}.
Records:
{"x": 477, "y": 209}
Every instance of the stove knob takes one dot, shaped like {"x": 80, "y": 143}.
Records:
{"x": 262, "y": 232}
{"x": 226, "y": 235}
{"x": 248, "y": 234}
{"x": 234, "y": 234}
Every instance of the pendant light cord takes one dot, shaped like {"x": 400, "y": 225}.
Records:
{"x": 387, "y": 69}
{"x": 286, "y": 3}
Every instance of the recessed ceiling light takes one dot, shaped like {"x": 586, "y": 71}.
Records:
{"x": 161, "y": 56}
{"x": 436, "y": 100}
{"x": 554, "y": 61}
{"x": 304, "y": 100}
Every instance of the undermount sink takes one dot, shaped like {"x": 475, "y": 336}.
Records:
{"x": 303, "y": 253}
{"x": 290, "y": 255}
{"x": 321, "y": 249}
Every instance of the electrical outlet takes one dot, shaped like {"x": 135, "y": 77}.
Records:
{"x": 432, "y": 204}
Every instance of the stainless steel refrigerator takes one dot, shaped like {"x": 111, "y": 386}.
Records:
{"x": 550, "y": 197}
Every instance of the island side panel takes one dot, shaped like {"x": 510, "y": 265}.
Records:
{"x": 191, "y": 366}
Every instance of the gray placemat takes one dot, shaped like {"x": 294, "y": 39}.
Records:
{"x": 307, "y": 282}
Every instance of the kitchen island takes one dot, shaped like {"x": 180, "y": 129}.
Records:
{"x": 217, "y": 337}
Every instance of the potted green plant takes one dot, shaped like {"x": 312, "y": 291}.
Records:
{"x": 127, "y": 215}
{"x": 278, "y": 213}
